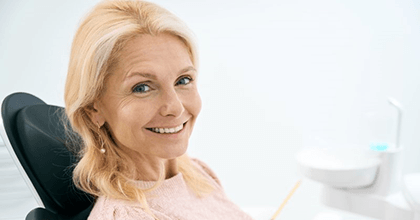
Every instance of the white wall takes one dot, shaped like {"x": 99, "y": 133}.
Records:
{"x": 275, "y": 76}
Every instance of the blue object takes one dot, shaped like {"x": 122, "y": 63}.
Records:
{"x": 379, "y": 146}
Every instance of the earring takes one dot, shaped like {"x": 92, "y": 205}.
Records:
{"x": 102, "y": 150}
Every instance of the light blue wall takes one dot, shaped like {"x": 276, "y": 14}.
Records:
{"x": 275, "y": 76}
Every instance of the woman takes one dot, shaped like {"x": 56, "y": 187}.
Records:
{"x": 131, "y": 94}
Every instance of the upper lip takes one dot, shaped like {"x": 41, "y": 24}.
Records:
{"x": 168, "y": 126}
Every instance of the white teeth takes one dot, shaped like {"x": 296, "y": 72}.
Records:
{"x": 168, "y": 130}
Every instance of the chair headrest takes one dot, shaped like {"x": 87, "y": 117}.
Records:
{"x": 41, "y": 132}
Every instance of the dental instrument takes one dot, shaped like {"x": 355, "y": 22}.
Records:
{"x": 287, "y": 199}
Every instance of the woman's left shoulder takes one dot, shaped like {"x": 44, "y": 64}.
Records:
{"x": 206, "y": 168}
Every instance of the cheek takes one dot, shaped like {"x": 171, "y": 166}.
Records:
{"x": 129, "y": 119}
{"x": 194, "y": 103}
{"x": 136, "y": 116}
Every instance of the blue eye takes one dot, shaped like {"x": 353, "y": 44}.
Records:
{"x": 140, "y": 88}
{"x": 188, "y": 79}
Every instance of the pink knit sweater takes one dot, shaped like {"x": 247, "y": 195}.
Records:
{"x": 173, "y": 200}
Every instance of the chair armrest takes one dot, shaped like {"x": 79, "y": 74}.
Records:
{"x": 43, "y": 214}
{"x": 40, "y": 213}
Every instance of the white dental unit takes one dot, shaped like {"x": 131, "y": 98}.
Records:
{"x": 367, "y": 182}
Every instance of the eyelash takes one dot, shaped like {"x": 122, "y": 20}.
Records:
{"x": 141, "y": 84}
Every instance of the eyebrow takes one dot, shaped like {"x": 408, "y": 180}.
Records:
{"x": 151, "y": 76}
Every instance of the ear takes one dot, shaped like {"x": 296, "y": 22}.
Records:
{"x": 95, "y": 115}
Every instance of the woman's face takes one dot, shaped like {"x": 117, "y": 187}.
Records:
{"x": 153, "y": 87}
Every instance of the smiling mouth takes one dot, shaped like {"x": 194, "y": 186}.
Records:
{"x": 168, "y": 131}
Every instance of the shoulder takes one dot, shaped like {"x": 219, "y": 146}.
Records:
{"x": 116, "y": 209}
{"x": 205, "y": 169}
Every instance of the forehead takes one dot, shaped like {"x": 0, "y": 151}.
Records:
{"x": 153, "y": 52}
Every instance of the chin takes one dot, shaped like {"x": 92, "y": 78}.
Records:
{"x": 174, "y": 153}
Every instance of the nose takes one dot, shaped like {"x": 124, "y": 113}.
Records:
{"x": 171, "y": 104}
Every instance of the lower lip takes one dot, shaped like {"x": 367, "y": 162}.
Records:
{"x": 167, "y": 135}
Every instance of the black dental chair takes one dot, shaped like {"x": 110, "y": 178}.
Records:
{"x": 36, "y": 134}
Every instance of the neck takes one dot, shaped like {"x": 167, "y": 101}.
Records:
{"x": 171, "y": 168}
{"x": 149, "y": 169}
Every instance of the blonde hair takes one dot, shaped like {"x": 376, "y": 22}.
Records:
{"x": 95, "y": 51}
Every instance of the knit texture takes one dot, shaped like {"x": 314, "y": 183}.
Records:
{"x": 173, "y": 200}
